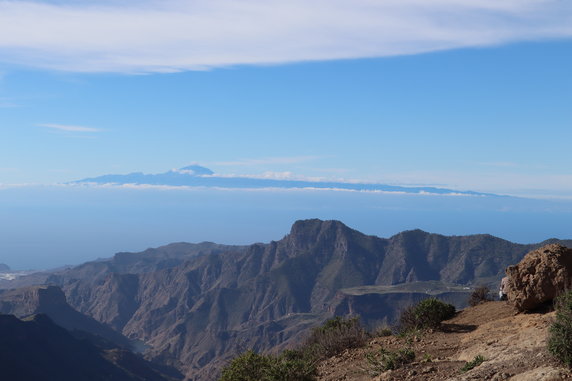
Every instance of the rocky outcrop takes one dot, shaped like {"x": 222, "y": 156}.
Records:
{"x": 541, "y": 276}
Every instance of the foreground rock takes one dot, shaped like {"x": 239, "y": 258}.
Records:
{"x": 541, "y": 276}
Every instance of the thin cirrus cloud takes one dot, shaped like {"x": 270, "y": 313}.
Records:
{"x": 176, "y": 35}
{"x": 68, "y": 128}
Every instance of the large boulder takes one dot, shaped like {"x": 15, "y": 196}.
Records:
{"x": 541, "y": 276}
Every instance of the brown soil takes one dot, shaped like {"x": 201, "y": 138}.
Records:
{"x": 513, "y": 345}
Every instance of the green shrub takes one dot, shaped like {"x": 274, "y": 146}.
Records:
{"x": 427, "y": 314}
{"x": 560, "y": 332}
{"x": 250, "y": 366}
{"x": 390, "y": 360}
{"x": 335, "y": 336}
{"x": 480, "y": 295}
{"x": 290, "y": 365}
{"x": 478, "y": 360}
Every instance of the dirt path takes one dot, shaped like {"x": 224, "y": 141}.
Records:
{"x": 513, "y": 345}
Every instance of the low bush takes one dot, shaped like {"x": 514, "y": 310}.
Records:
{"x": 480, "y": 295}
{"x": 250, "y": 366}
{"x": 390, "y": 360}
{"x": 335, "y": 336}
{"x": 560, "y": 332}
{"x": 427, "y": 314}
{"x": 478, "y": 360}
{"x": 291, "y": 365}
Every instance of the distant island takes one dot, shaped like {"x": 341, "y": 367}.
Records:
{"x": 198, "y": 176}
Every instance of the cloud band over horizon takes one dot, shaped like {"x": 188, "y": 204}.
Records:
{"x": 176, "y": 35}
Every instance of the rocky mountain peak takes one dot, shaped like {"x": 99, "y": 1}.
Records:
{"x": 306, "y": 231}
{"x": 415, "y": 234}
{"x": 195, "y": 170}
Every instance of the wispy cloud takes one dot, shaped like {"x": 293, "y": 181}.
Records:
{"x": 268, "y": 161}
{"x": 176, "y": 35}
{"x": 68, "y": 128}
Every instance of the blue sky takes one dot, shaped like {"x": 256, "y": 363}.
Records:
{"x": 475, "y": 96}
{"x": 492, "y": 119}
{"x": 469, "y": 95}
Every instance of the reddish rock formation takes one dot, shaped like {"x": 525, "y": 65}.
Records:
{"x": 541, "y": 276}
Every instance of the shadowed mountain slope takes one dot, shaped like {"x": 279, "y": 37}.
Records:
{"x": 51, "y": 301}
{"x": 38, "y": 349}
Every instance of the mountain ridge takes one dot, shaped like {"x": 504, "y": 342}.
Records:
{"x": 197, "y": 305}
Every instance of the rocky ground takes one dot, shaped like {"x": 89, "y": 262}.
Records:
{"x": 513, "y": 345}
